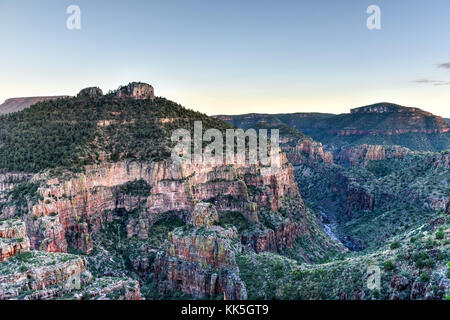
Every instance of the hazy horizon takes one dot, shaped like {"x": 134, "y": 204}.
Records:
{"x": 234, "y": 57}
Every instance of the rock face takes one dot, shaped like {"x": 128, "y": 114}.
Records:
{"x": 44, "y": 276}
{"x": 274, "y": 240}
{"x": 200, "y": 261}
{"x": 13, "y": 239}
{"x": 204, "y": 214}
{"x": 362, "y": 154}
{"x": 18, "y": 104}
{"x": 76, "y": 208}
{"x": 307, "y": 152}
{"x": 359, "y": 199}
{"x": 91, "y": 92}
{"x": 136, "y": 90}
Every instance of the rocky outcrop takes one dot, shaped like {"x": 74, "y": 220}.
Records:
{"x": 91, "y": 92}
{"x": 109, "y": 288}
{"x": 44, "y": 276}
{"x": 136, "y": 90}
{"x": 200, "y": 263}
{"x": 204, "y": 214}
{"x": 13, "y": 238}
{"x": 200, "y": 260}
{"x": 271, "y": 240}
{"x": 441, "y": 160}
{"x": 358, "y": 199}
{"x": 362, "y": 154}
{"x": 307, "y": 152}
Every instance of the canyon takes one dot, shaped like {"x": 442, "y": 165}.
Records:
{"x": 115, "y": 218}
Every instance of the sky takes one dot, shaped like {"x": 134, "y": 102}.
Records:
{"x": 233, "y": 57}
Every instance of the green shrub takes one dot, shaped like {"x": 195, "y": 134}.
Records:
{"x": 395, "y": 245}
{"x": 376, "y": 293}
{"x": 424, "y": 277}
{"x": 440, "y": 234}
{"x": 389, "y": 265}
{"x": 430, "y": 263}
{"x": 420, "y": 263}
{"x": 429, "y": 244}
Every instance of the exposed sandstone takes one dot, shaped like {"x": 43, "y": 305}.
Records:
{"x": 136, "y": 90}
{"x": 307, "y": 152}
{"x": 204, "y": 214}
{"x": 91, "y": 92}
{"x": 44, "y": 276}
{"x": 75, "y": 207}
{"x": 200, "y": 263}
{"x": 13, "y": 238}
{"x": 362, "y": 154}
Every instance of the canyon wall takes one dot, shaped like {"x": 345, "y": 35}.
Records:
{"x": 362, "y": 154}
{"x": 200, "y": 260}
{"x": 75, "y": 207}
{"x": 307, "y": 152}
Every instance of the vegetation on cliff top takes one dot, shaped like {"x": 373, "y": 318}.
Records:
{"x": 75, "y": 132}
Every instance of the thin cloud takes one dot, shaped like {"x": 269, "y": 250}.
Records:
{"x": 444, "y": 65}
{"x": 433, "y": 82}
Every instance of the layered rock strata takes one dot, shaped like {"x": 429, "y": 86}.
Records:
{"x": 13, "y": 238}
{"x": 75, "y": 207}
{"x": 200, "y": 261}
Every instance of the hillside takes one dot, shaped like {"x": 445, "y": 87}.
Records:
{"x": 74, "y": 132}
{"x": 380, "y": 124}
{"x": 18, "y": 104}
{"x": 303, "y": 122}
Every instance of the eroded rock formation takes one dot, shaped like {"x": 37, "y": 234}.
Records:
{"x": 91, "y": 92}
{"x": 43, "y": 276}
{"x": 201, "y": 260}
{"x": 75, "y": 207}
{"x": 136, "y": 90}
{"x": 362, "y": 154}
{"x": 13, "y": 238}
{"x": 307, "y": 152}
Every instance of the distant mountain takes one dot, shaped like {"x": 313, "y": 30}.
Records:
{"x": 381, "y": 124}
{"x": 301, "y": 121}
{"x": 18, "y": 104}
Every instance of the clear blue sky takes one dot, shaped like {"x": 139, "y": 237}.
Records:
{"x": 233, "y": 56}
